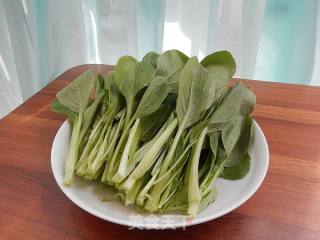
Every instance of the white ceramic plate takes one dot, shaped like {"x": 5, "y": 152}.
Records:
{"x": 231, "y": 194}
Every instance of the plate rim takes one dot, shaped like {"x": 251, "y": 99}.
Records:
{"x": 195, "y": 221}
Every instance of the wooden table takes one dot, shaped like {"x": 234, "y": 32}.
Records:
{"x": 287, "y": 206}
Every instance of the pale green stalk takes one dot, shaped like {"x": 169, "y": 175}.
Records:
{"x": 107, "y": 176}
{"x": 99, "y": 161}
{"x": 73, "y": 151}
{"x": 150, "y": 156}
{"x": 120, "y": 174}
{"x": 153, "y": 201}
{"x": 194, "y": 196}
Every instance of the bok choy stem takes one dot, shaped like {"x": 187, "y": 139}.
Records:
{"x": 72, "y": 152}
{"x": 150, "y": 156}
{"x": 194, "y": 196}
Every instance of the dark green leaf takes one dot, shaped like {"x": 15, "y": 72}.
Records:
{"x": 144, "y": 73}
{"x": 131, "y": 76}
{"x": 231, "y": 132}
{"x": 238, "y": 171}
{"x": 196, "y": 130}
{"x": 221, "y": 66}
{"x": 239, "y": 101}
{"x": 242, "y": 145}
{"x": 153, "y": 97}
{"x": 153, "y": 122}
{"x": 195, "y": 93}
{"x": 124, "y": 76}
{"x": 169, "y": 65}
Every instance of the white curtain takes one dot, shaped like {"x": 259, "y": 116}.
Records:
{"x": 276, "y": 40}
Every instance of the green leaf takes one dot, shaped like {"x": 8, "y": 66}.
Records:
{"x": 144, "y": 73}
{"x": 238, "y": 171}
{"x": 152, "y": 58}
{"x": 232, "y": 131}
{"x": 195, "y": 93}
{"x": 153, "y": 122}
{"x": 90, "y": 112}
{"x": 131, "y": 76}
{"x": 153, "y": 97}
{"x": 58, "y": 107}
{"x": 239, "y": 101}
{"x": 242, "y": 145}
{"x": 124, "y": 76}
{"x": 221, "y": 66}
{"x": 108, "y": 79}
{"x": 196, "y": 130}
{"x": 89, "y": 115}
{"x": 77, "y": 93}
{"x": 115, "y": 102}
{"x": 169, "y": 65}
{"x": 99, "y": 88}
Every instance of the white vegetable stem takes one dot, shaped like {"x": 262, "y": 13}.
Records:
{"x": 72, "y": 152}
{"x": 108, "y": 174}
{"x": 153, "y": 201}
{"x": 150, "y": 157}
{"x": 194, "y": 196}
{"x": 120, "y": 174}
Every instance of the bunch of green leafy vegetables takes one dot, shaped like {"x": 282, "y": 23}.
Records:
{"x": 160, "y": 131}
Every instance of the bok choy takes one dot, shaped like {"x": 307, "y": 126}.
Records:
{"x": 160, "y": 131}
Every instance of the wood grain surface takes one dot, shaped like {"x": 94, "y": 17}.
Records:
{"x": 287, "y": 206}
